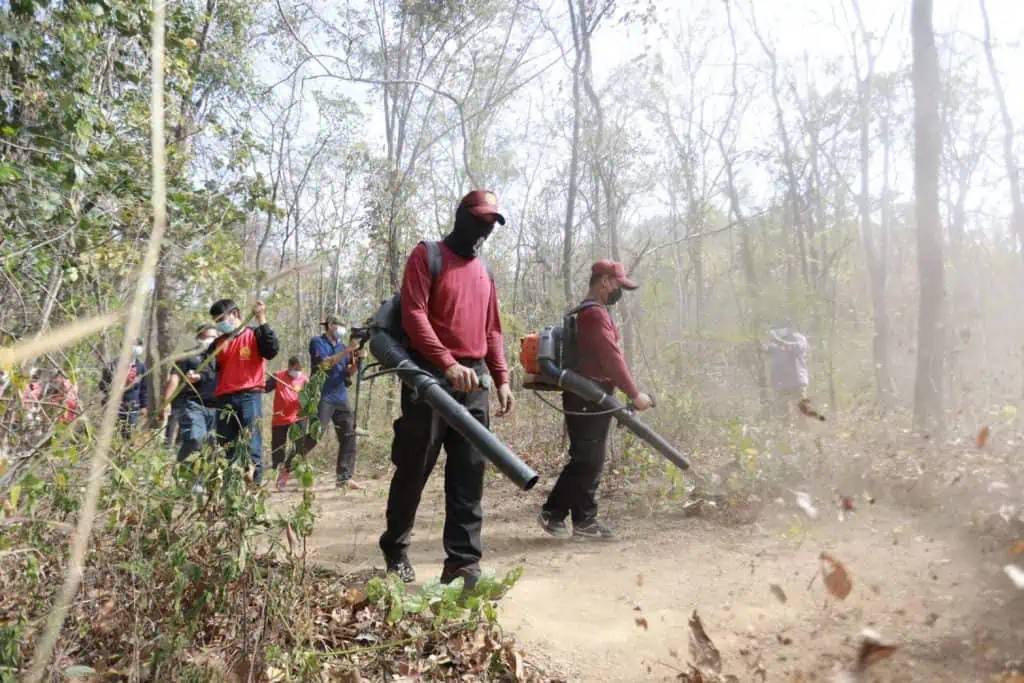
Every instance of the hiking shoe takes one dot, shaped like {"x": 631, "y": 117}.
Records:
{"x": 470, "y": 576}
{"x": 350, "y": 484}
{"x": 555, "y": 527}
{"x": 361, "y": 432}
{"x": 282, "y": 480}
{"x": 593, "y": 531}
{"x": 402, "y": 569}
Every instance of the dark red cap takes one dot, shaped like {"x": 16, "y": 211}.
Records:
{"x": 482, "y": 204}
{"x": 615, "y": 270}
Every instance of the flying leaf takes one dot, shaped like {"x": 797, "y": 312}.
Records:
{"x": 837, "y": 580}
{"x": 1016, "y": 575}
{"x": 873, "y": 649}
{"x": 806, "y": 504}
{"x": 779, "y": 594}
{"x": 641, "y": 622}
{"x": 982, "y": 439}
{"x": 702, "y": 650}
{"x": 1017, "y": 548}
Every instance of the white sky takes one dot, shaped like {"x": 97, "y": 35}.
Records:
{"x": 819, "y": 29}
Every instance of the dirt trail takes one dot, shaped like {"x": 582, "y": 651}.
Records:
{"x": 576, "y": 606}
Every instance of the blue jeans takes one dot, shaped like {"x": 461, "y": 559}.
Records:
{"x": 238, "y": 422}
{"x": 196, "y": 424}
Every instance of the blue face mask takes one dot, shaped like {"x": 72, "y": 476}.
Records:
{"x": 225, "y": 327}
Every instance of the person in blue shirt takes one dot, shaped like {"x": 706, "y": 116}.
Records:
{"x": 328, "y": 353}
{"x": 134, "y": 401}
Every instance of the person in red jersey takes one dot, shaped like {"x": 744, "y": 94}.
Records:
{"x": 286, "y": 385}
{"x": 452, "y": 322}
{"x": 241, "y": 354}
{"x": 600, "y": 359}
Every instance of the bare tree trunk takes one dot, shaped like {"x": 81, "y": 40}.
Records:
{"x": 568, "y": 229}
{"x": 927, "y": 151}
{"x": 1009, "y": 158}
{"x": 876, "y": 262}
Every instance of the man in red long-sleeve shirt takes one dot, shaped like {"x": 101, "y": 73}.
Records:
{"x": 600, "y": 359}
{"x": 453, "y": 327}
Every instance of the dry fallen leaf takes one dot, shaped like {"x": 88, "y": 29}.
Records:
{"x": 837, "y": 580}
{"x": 1016, "y": 575}
{"x": 806, "y": 504}
{"x": 640, "y": 580}
{"x": 982, "y": 438}
{"x": 1017, "y": 548}
{"x": 641, "y": 622}
{"x": 702, "y": 650}
{"x": 873, "y": 649}
{"x": 846, "y": 503}
{"x": 777, "y": 591}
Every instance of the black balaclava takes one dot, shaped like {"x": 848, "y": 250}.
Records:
{"x": 469, "y": 234}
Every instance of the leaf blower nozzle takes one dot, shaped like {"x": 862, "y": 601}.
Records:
{"x": 545, "y": 369}
{"x": 387, "y": 349}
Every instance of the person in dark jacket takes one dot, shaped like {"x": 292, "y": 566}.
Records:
{"x": 600, "y": 359}
{"x": 190, "y": 395}
{"x": 454, "y": 329}
{"x": 135, "y": 399}
{"x": 241, "y": 354}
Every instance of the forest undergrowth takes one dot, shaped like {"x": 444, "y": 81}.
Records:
{"x": 221, "y": 586}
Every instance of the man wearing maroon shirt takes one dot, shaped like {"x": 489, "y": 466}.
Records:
{"x": 453, "y": 327}
{"x": 600, "y": 359}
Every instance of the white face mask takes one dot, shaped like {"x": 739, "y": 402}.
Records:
{"x": 204, "y": 342}
{"x": 294, "y": 373}
{"x": 339, "y": 331}
{"x": 138, "y": 351}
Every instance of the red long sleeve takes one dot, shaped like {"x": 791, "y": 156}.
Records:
{"x": 600, "y": 357}
{"x": 416, "y": 286}
{"x": 495, "y": 341}
{"x": 456, "y": 315}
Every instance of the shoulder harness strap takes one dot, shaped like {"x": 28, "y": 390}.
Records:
{"x": 435, "y": 263}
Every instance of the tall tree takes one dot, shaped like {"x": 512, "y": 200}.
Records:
{"x": 1009, "y": 155}
{"x": 927, "y": 154}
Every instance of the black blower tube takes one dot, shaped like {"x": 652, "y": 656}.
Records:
{"x": 392, "y": 355}
{"x": 590, "y": 390}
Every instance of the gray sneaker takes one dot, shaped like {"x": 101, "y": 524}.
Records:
{"x": 593, "y": 531}
{"x": 555, "y": 527}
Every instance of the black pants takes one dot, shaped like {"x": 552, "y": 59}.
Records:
{"x": 279, "y": 445}
{"x": 419, "y": 435}
{"x": 575, "y": 492}
{"x": 340, "y": 415}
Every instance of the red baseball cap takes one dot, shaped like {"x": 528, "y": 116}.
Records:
{"x": 482, "y": 204}
{"x": 615, "y": 270}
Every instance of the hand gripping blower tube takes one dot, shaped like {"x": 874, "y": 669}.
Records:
{"x": 386, "y": 345}
{"x": 542, "y": 357}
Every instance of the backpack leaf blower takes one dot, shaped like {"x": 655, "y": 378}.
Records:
{"x": 543, "y": 356}
{"x": 386, "y": 338}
